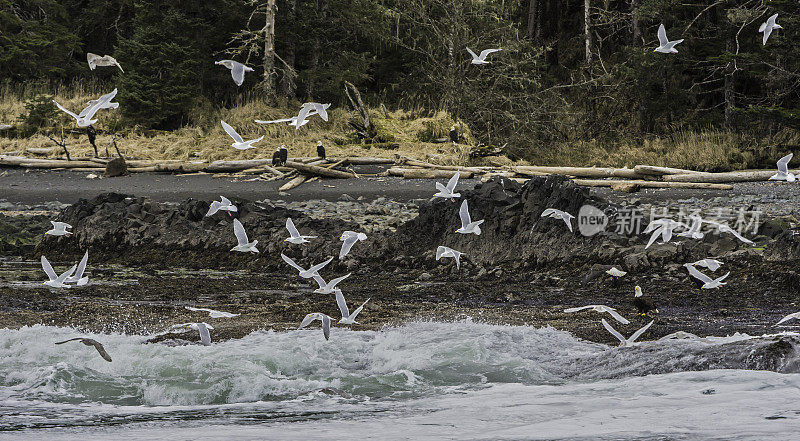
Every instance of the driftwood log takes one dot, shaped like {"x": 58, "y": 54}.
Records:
{"x": 318, "y": 171}
{"x": 420, "y": 173}
{"x": 738, "y": 176}
{"x": 581, "y": 172}
{"x": 660, "y": 171}
{"x": 650, "y": 184}
{"x": 293, "y": 183}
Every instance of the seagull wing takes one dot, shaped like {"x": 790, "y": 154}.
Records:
{"x": 787, "y": 318}
{"x": 441, "y": 187}
{"x": 100, "y": 103}
{"x": 302, "y": 115}
{"x": 451, "y": 184}
{"x": 580, "y": 308}
{"x": 292, "y": 229}
{"x": 48, "y": 269}
{"x": 66, "y": 274}
{"x": 322, "y": 110}
{"x": 332, "y": 284}
{"x": 358, "y": 310}
{"x": 720, "y": 279}
{"x": 617, "y": 317}
{"x": 641, "y": 331}
{"x": 224, "y": 201}
{"x": 238, "y": 231}
{"x": 258, "y": 121}
{"x": 66, "y": 111}
{"x": 694, "y": 272}
{"x": 662, "y": 35}
{"x": 232, "y": 133}
{"x": 783, "y": 163}
{"x": 289, "y": 260}
{"x": 342, "y": 304}
{"x": 653, "y": 238}
{"x": 348, "y": 243}
{"x": 308, "y": 319}
{"x": 474, "y": 55}
{"x": 237, "y": 72}
{"x": 441, "y": 250}
{"x": 67, "y": 341}
{"x": 326, "y": 326}
{"x": 319, "y": 266}
{"x": 771, "y": 21}
{"x": 81, "y": 267}
{"x": 548, "y": 212}
{"x": 92, "y": 59}
{"x": 463, "y": 212}
{"x": 320, "y": 281}
{"x": 100, "y": 349}
{"x": 213, "y": 208}
{"x": 205, "y": 336}
{"x": 486, "y": 52}
{"x": 614, "y": 332}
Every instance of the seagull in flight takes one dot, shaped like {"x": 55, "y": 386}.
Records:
{"x": 558, "y": 214}
{"x": 795, "y": 315}
{"x": 626, "y": 341}
{"x": 663, "y": 228}
{"x": 95, "y": 60}
{"x": 309, "y": 109}
{"x": 306, "y": 273}
{"x": 481, "y": 59}
{"x": 328, "y": 287}
{"x": 243, "y": 244}
{"x": 467, "y": 226}
{"x": 767, "y": 27}
{"x": 724, "y": 228}
{"x": 202, "y": 328}
{"x": 347, "y": 317}
{"x": 78, "y": 278}
{"x": 223, "y": 204}
{"x": 90, "y": 342}
{"x": 294, "y": 235}
{"x": 237, "y": 70}
{"x": 59, "y": 229}
{"x": 448, "y": 191}
{"x": 666, "y": 46}
{"x": 238, "y": 142}
{"x": 349, "y": 238}
{"x": 783, "y": 170}
{"x": 326, "y": 323}
{"x": 444, "y": 251}
{"x": 54, "y": 280}
{"x": 615, "y": 272}
{"x": 84, "y": 119}
{"x": 601, "y": 309}
{"x": 712, "y": 264}
{"x": 213, "y": 313}
{"x": 694, "y": 229}
{"x": 708, "y": 282}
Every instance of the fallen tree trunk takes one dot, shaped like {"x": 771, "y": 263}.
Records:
{"x": 402, "y": 160}
{"x": 318, "y": 171}
{"x": 60, "y": 164}
{"x": 738, "y": 176}
{"x": 40, "y": 151}
{"x": 419, "y": 173}
{"x": 367, "y": 161}
{"x": 235, "y": 166}
{"x": 581, "y": 172}
{"x": 651, "y": 170}
{"x": 181, "y": 167}
{"x": 294, "y": 183}
{"x": 142, "y": 169}
{"x": 650, "y": 184}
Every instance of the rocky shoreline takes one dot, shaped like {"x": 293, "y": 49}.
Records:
{"x": 152, "y": 258}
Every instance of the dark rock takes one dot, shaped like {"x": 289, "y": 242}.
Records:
{"x": 116, "y": 167}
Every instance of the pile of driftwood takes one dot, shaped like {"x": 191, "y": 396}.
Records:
{"x": 299, "y": 170}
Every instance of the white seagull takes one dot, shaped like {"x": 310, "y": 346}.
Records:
{"x": 78, "y": 278}
{"x": 223, "y": 204}
{"x": 243, "y": 245}
{"x": 213, "y": 313}
{"x": 237, "y": 70}
{"x": 694, "y": 229}
{"x": 306, "y": 273}
{"x": 101, "y": 103}
{"x": 444, "y": 251}
{"x": 481, "y": 59}
{"x": 238, "y": 142}
{"x": 615, "y": 272}
{"x": 666, "y": 46}
{"x": 663, "y": 228}
{"x": 349, "y": 238}
{"x": 767, "y": 27}
{"x": 347, "y": 317}
{"x": 326, "y": 323}
{"x": 292, "y": 121}
{"x": 448, "y": 192}
{"x": 328, "y": 287}
{"x": 309, "y": 109}
{"x": 294, "y": 235}
{"x": 467, "y": 226}
{"x": 601, "y": 309}
{"x": 84, "y": 119}
{"x": 54, "y": 280}
{"x": 708, "y": 282}
{"x": 626, "y": 341}
{"x": 202, "y": 328}
{"x": 558, "y": 214}
{"x": 783, "y": 170}
{"x": 59, "y": 229}
{"x": 724, "y": 228}
{"x": 795, "y": 315}
{"x": 95, "y": 60}
{"x": 712, "y": 264}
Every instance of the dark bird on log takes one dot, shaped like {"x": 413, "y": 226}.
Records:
{"x": 643, "y": 306}
{"x": 284, "y": 155}
{"x": 92, "y": 134}
{"x": 453, "y": 134}
{"x": 276, "y": 157}
{"x": 320, "y": 150}
{"x": 90, "y": 342}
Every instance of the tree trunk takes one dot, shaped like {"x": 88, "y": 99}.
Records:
{"x": 269, "y": 50}
{"x": 730, "y": 69}
{"x": 533, "y": 20}
{"x": 287, "y": 79}
{"x": 635, "y": 30}
{"x": 587, "y": 31}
